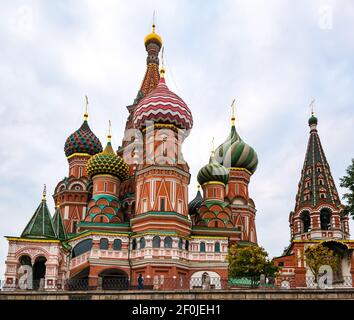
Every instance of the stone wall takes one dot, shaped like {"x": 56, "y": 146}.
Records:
{"x": 245, "y": 294}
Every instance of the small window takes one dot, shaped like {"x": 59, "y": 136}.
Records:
{"x": 162, "y": 204}
{"x": 186, "y": 245}
{"x": 117, "y": 244}
{"x": 104, "y": 244}
{"x": 142, "y": 243}
{"x": 168, "y": 242}
{"x": 156, "y": 242}
{"x": 74, "y": 226}
{"x": 217, "y": 247}
{"x": 180, "y": 244}
{"x": 134, "y": 244}
{"x": 202, "y": 247}
{"x": 281, "y": 264}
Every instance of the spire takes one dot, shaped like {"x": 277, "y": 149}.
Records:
{"x": 316, "y": 183}
{"x": 86, "y": 109}
{"x": 58, "y": 224}
{"x": 233, "y": 112}
{"x": 108, "y": 148}
{"x": 41, "y": 225}
{"x": 313, "y": 121}
{"x": 44, "y": 195}
{"x": 162, "y": 70}
{"x": 153, "y": 44}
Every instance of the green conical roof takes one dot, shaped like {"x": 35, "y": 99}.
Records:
{"x": 41, "y": 224}
{"x": 59, "y": 225}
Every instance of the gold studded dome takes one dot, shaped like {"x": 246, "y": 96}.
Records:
{"x": 107, "y": 162}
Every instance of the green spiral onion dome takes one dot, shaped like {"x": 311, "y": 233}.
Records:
{"x": 213, "y": 171}
{"x": 313, "y": 120}
{"x": 82, "y": 140}
{"x": 235, "y": 153}
{"x": 194, "y": 205}
{"x": 107, "y": 162}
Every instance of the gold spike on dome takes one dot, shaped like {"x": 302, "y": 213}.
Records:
{"x": 86, "y": 108}
{"x": 44, "y": 196}
{"x": 57, "y": 205}
{"x": 162, "y": 71}
{"x": 109, "y": 136}
{"x": 108, "y": 148}
{"x": 233, "y": 112}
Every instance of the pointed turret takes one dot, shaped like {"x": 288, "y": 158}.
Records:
{"x": 41, "y": 224}
{"x": 316, "y": 184}
{"x": 59, "y": 225}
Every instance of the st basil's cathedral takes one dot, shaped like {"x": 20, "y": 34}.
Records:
{"x": 125, "y": 213}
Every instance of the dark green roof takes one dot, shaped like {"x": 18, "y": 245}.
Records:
{"x": 40, "y": 225}
{"x": 59, "y": 225}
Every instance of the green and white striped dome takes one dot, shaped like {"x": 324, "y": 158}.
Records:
{"x": 235, "y": 153}
{"x": 213, "y": 172}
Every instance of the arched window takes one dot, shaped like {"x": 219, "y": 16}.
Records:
{"x": 306, "y": 221}
{"x": 134, "y": 244}
{"x": 117, "y": 244}
{"x": 325, "y": 217}
{"x": 104, "y": 244}
{"x": 202, "y": 247}
{"x": 25, "y": 261}
{"x": 156, "y": 241}
{"x": 186, "y": 245}
{"x": 217, "y": 247}
{"x": 142, "y": 243}
{"x": 180, "y": 243}
{"x": 168, "y": 242}
{"x": 81, "y": 248}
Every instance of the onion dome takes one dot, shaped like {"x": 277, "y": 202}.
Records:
{"x": 235, "y": 153}
{"x": 213, "y": 172}
{"x": 194, "y": 205}
{"x": 107, "y": 162}
{"x": 153, "y": 37}
{"x": 313, "y": 120}
{"x": 82, "y": 140}
{"x": 162, "y": 106}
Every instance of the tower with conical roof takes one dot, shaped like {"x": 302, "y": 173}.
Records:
{"x": 318, "y": 217}
{"x": 318, "y": 211}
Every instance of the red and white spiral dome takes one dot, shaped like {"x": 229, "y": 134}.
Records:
{"x": 162, "y": 106}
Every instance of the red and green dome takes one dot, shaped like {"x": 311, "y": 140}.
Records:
{"x": 107, "y": 162}
{"x": 235, "y": 153}
{"x": 163, "y": 106}
{"x": 82, "y": 140}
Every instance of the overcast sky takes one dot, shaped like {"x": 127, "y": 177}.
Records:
{"x": 274, "y": 57}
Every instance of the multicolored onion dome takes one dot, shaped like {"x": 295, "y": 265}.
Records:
{"x": 162, "y": 106}
{"x": 107, "y": 162}
{"x": 235, "y": 153}
{"x": 82, "y": 140}
{"x": 213, "y": 171}
{"x": 153, "y": 37}
{"x": 194, "y": 205}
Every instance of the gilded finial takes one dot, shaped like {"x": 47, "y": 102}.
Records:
{"x": 86, "y": 108}
{"x": 44, "y": 196}
{"x": 57, "y": 205}
{"x": 233, "y": 112}
{"x": 213, "y": 147}
{"x": 109, "y": 136}
{"x": 198, "y": 187}
{"x": 312, "y": 107}
{"x": 153, "y": 22}
{"x": 162, "y": 71}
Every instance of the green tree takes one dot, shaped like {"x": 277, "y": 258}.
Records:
{"x": 318, "y": 255}
{"x": 249, "y": 261}
{"x": 348, "y": 182}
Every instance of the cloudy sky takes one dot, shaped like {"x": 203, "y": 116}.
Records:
{"x": 274, "y": 57}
